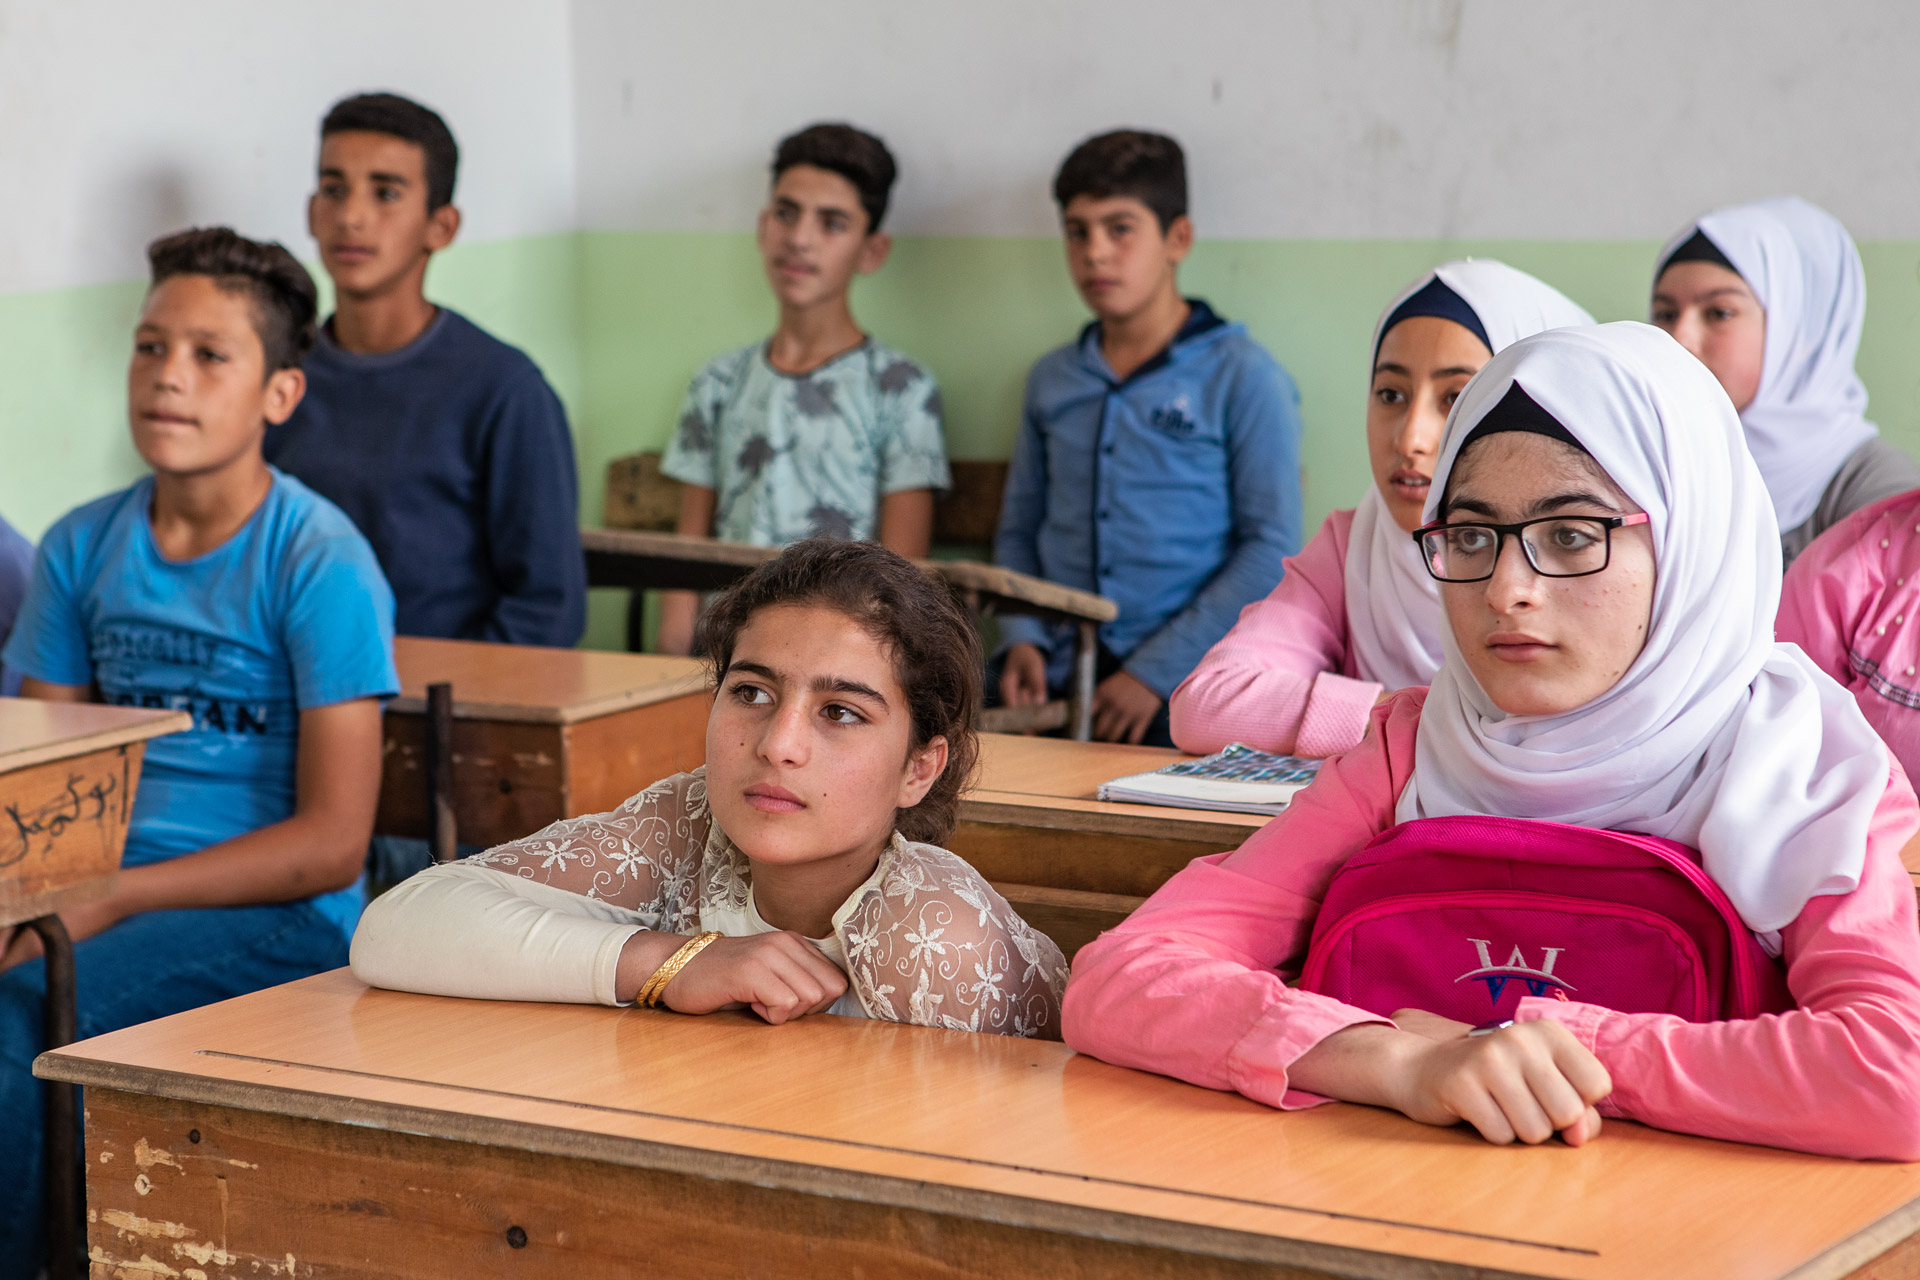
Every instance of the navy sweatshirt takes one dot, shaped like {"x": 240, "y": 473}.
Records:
{"x": 453, "y": 457}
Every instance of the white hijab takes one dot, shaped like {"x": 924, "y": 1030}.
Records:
{"x": 1393, "y": 604}
{"x": 1810, "y": 411}
{"x": 1716, "y": 736}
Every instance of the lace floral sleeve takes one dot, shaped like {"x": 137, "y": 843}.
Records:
{"x": 932, "y": 944}
{"x": 643, "y": 856}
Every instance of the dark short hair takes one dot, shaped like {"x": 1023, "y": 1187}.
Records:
{"x": 284, "y": 302}
{"x": 1149, "y": 167}
{"x": 407, "y": 120}
{"x": 854, "y": 154}
{"x": 936, "y": 654}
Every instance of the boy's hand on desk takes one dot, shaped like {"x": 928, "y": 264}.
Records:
{"x": 1123, "y": 709}
{"x": 1525, "y": 1082}
{"x": 1023, "y": 679}
{"x": 780, "y": 976}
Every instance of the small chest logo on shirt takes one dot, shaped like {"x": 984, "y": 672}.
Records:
{"x": 1172, "y": 418}
{"x": 1539, "y": 981}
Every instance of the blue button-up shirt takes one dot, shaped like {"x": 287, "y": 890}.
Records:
{"x": 1174, "y": 492}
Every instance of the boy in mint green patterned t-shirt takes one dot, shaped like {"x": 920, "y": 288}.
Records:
{"x": 819, "y": 431}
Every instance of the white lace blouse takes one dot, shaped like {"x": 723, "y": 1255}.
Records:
{"x": 924, "y": 940}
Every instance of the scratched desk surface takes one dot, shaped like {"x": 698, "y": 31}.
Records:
{"x": 983, "y": 1127}
{"x": 68, "y": 772}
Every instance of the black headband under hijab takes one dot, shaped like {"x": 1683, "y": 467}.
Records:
{"x": 1699, "y": 249}
{"x": 1437, "y": 300}
{"x": 1518, "y": 411}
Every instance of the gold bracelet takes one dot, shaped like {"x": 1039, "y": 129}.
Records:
{"x": 653, "y": 988}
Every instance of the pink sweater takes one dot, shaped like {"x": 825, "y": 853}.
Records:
{"x": 1852, "y": 601}
{"x": 1194, "y": 983}
{"x": 1283, "y": 679}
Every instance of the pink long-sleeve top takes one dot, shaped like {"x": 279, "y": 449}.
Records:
{"x": 1194, "y": 984}
{"x": 1283, "y": 679}
{"x": 1852, "y": 601}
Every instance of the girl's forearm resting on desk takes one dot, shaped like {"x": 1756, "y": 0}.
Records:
{"x": 474, "y": 931}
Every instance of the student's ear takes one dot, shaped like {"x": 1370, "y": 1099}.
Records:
{"x": 924, "y": 768}
{"x": 443, "y": 224}
{"x": 284, "y": 389}
{"x": 1179, "y": 239}
{"x": 313, "y": 214}
{"x": 873, "y": 254}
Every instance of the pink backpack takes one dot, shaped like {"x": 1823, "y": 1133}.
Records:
{"x": 1465, "y": 916}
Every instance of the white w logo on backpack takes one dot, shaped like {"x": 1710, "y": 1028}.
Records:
{"x": 1496, "y": 976}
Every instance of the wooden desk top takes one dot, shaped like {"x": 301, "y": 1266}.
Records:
{"x": 1052, "y": 782}
{"x": 34, "y": 732}
{"x": 537, "y": 685}
{"x": 706, "y": 563}
{"x": 1013, "y": 1132}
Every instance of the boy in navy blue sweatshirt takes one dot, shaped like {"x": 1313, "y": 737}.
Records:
{"x": 445, "y": 445}
{"x": 1158, "y": 458}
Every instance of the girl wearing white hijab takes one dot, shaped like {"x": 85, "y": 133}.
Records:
{"x": 1644, "y": 695}
{"x": 1771, "y": 297}
{"x": 1355, "y": 614}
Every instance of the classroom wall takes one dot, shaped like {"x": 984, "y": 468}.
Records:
{"x": 614, "y": 155}
{"x": 121, "y": 121}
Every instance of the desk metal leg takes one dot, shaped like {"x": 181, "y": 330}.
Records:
{"x": 66, "y": 1190}
{"x": 1080, "y": 699}
{"x": 443, "y": 836}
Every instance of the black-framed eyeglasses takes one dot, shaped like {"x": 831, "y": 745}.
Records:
{"x": 1556, "y": 546}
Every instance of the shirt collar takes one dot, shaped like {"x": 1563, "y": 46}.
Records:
{"x": 1201, "y": 318}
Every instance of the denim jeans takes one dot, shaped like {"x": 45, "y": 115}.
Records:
{"x": 143, "y": 968}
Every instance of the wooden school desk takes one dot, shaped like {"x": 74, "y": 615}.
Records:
{"x": 68, "y": 772}
{"x": 537, "y": 734}
{"x": 675, "y": 562}
{"x": 1071, "y": 864}
{"x": 325, "y": 1130}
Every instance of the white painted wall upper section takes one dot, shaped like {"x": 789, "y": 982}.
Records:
{"x": 1302, "y": 118}
{"x": 120, "y": 120}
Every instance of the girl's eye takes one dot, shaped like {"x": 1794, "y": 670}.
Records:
{"x": 1663, "y": 315}
{"x": 1387, "y": 395}
{"x": 1721, "y": 313}
{"x": 149, "y": 348}
{"x": 840, "y": 713}
{"x": 1449, "y": 398}
{"x": 752, "y": 695}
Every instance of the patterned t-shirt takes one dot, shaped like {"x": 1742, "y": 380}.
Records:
{"x": 809, "y": 455}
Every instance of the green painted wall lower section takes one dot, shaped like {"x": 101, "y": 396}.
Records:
{"x": 621, "y": 320}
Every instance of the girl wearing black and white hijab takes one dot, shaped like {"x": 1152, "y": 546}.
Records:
{"x": 1772, "y": 298}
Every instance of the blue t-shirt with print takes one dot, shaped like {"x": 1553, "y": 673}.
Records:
{"x": 291, "y": 612}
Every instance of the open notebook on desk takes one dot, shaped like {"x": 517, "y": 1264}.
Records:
{"x": 1236, "y": 780}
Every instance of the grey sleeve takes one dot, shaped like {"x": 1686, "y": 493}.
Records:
{"x": 1872, "y": 473}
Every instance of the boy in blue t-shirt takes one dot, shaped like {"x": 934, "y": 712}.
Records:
{"x": 818, "y": 431}
{"x": 218, "y": 586}
{"x": 1158, "y": 457}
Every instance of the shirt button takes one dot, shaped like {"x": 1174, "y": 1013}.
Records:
{"x": 1109, "y": 449}
{"x": 1103, "y": 515}
{"x": 1909, "y": 670}
{"x": 1879, "y": 631}
{"x": 1885, "y": 543}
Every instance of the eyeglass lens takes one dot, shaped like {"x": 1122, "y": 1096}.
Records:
{"x": 1562, "y": 548}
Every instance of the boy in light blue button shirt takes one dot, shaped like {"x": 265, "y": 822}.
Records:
{"x": 1158, "y": 457}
